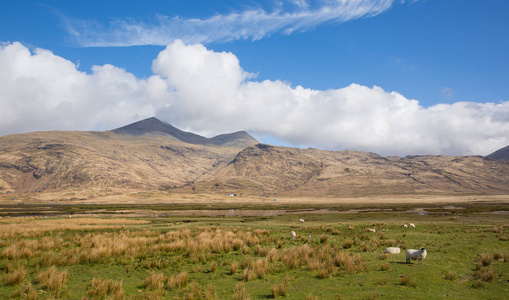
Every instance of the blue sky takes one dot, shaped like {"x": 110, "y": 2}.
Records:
{"x": 392, "y": 77}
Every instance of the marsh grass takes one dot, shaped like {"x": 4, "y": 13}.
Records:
{"x": 148, "y": 254}
{"x": 407, "y": 281}
{"x": 101, "y": 288}
{"x": 53, "y": 280}
{"x": 240, "y": 293}
{"x": 280, "y": 289}
{"x": 15, "y": 276}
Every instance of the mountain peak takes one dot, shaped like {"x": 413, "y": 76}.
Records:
{"x": 154, "y": 125}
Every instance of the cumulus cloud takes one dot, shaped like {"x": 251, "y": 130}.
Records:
{"x": 249, "y": 24}
{"x": 207, "y": 92}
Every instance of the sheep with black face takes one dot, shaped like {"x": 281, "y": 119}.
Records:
{"x": 419, "y": 255}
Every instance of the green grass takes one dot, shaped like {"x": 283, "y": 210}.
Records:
{"x": 211, "y": 258}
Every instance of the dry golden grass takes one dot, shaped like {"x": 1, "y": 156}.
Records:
{"x": 33, "y": 227}
{"x": 16, "y": 276}
{"x": 52, "y": 279}
{"x": 240, "y": 293}
{"x": 101, "y": 289}
{"x": 177, "y": 281}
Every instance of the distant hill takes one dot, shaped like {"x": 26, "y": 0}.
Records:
{"x": 151, "y": 155}
{"x": 500, "y": 154}
{"x": 153, "y": 125}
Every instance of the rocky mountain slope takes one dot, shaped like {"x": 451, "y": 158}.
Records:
{"x": 151, "y": 155}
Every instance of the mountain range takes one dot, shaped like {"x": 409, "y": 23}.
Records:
{"x": 152, "y": 155}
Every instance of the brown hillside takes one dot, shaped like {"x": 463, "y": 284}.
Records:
{"x": 45, "y": 161}
{"x": 273, "y": 170}
{"x": 155, "y": 160}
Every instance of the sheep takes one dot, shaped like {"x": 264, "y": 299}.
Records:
{"x": 301, "y": 220}
{"x": 293, "y": 234}
{"x": 412, "y": 225}
{"x": 405, "y": 226}
{"x": 371, "y": 230}
{"x": 392, "y": 250}
{"x": 419, "y": 255}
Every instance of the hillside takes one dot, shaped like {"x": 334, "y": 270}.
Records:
{"x": 500, "y": 154}
{"x": 150, "y": 155}
{"x": 309, "y": 172}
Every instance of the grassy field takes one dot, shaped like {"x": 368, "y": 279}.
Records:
{"x": 51, "y": 255}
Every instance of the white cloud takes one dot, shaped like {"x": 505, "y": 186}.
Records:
{"x": 209, "y": 93}
{"x": 250, "y": 24}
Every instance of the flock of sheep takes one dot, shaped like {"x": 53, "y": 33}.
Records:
{"x": 411, "y": 254}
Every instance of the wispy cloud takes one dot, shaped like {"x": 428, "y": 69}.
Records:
{"x": 249, "y": 24}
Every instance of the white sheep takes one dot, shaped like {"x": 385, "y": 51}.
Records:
{"x": 293, "y": 234}
{"x": 412, "y": 225}
{"x": 405, "y": 226}
{"x": 371, "y": 230}
{"x": 419, "y": 255}
{"x": 301, "y": 220}
{"x": 392, "y": 250}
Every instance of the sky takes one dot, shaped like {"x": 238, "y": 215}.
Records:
{"x": 394, "y": 77}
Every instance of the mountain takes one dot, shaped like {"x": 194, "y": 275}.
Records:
{"x": 154, "y": 156}
{"x": 268, "y": 170}
{"x": 500, "y": 154}
{"x": 153, "y": 125}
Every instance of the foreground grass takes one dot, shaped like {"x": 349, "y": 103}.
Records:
{"x": 332, "y": 256}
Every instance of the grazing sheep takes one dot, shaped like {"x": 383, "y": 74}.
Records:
{"x": 301, "y": 220}
{"x": 412, "y": 225}
{"x": 405, "y": 226}
{"x": 419, "y": 255}
{"x": 371, "y": 230}
{"x": 293, "y": 234}
{"x": 392, "y": 250}
{"x": 385, "y": 229}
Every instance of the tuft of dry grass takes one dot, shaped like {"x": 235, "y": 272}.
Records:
{"x": 385, "y": 267}
{"x": 450, "y": 275}
{"x": 233, "y": 267}
{"x": 348, "y": 244}
{"x": 177, "y": 281}
{"x": 383, "y": 281}
{"x": 311, "y": 296}
{"x": 407, "y": 281}
{"x": 16, "y": 276}
{"x": 280, "y": 289}
{"x": 101, "y": 288}
{"x": 52, "y": 279}
{"x": 154, "y": 281}
{"x": 240, "y": 293}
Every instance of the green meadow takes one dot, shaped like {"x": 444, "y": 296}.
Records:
{"x": 333, "y": 256}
